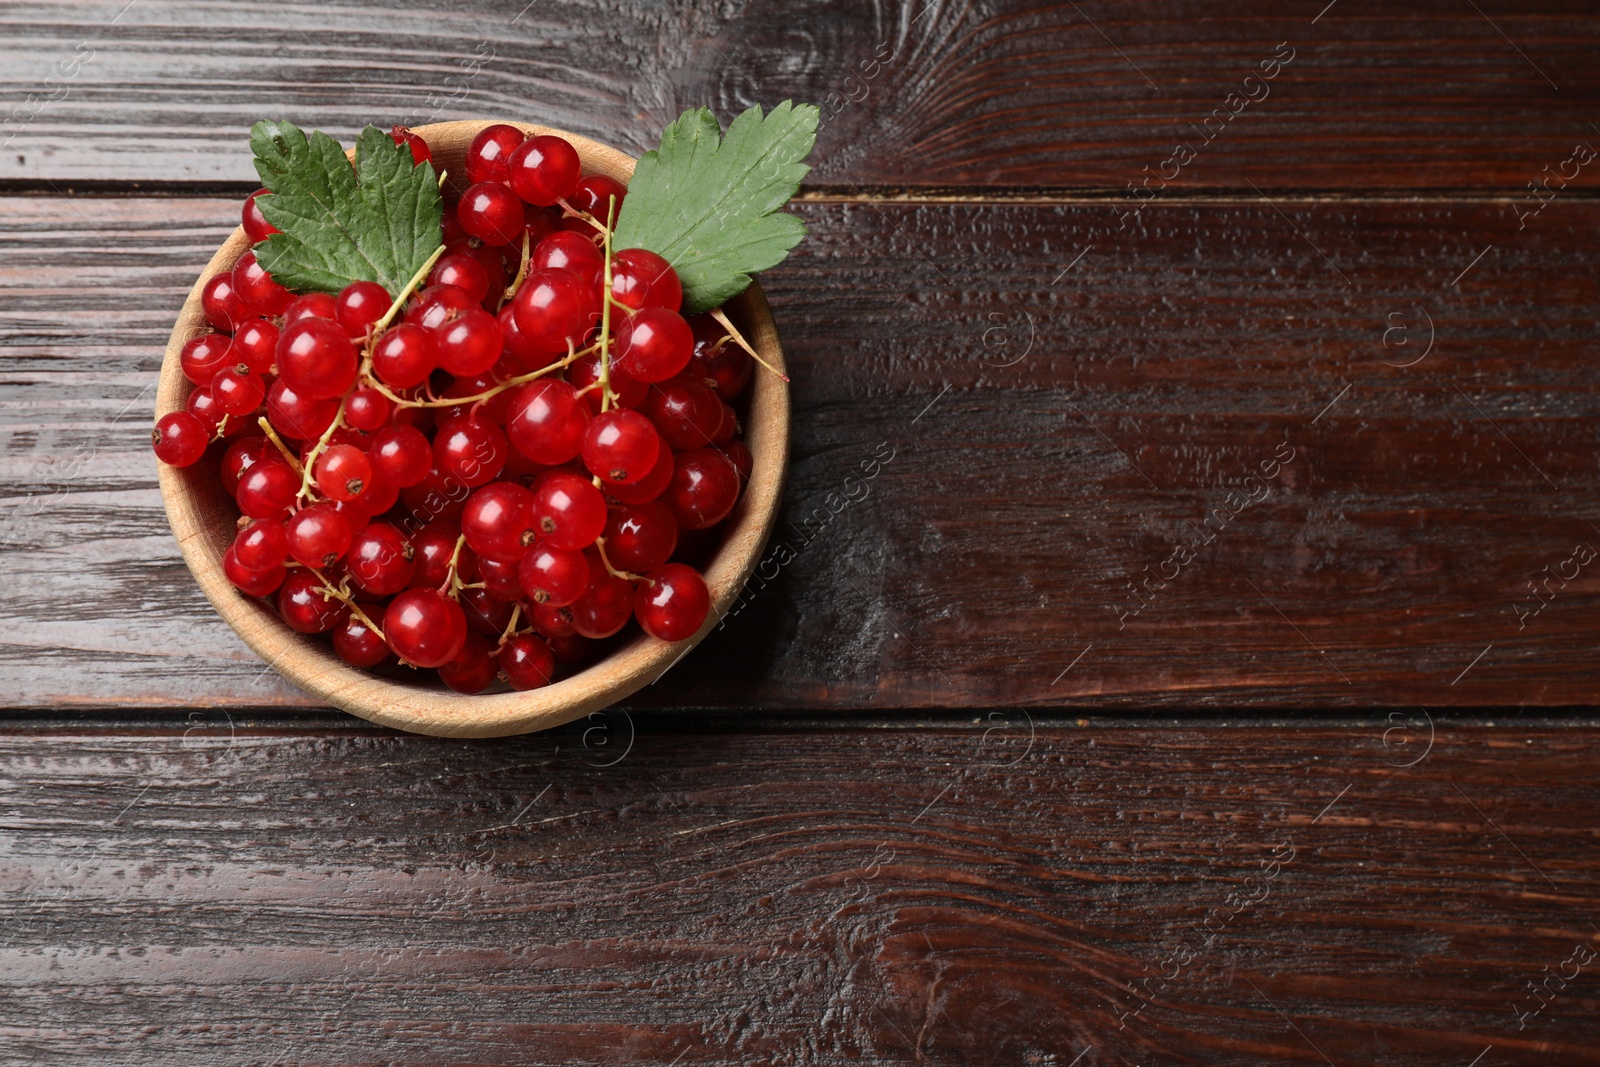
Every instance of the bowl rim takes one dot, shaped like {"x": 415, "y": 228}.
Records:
{"x": 310, "y": 663}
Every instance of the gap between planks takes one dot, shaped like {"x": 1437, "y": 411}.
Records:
{"x": 687, "y": 720}
{"x": 824, "y": 193}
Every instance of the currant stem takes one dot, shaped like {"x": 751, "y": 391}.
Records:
{"x": 328, "y": 590}
{"x": 452, "y": 584}
{"x": 511, "y": 627}
{"x": 451, "y": 402}
{"x": 272, "y": 435}
{"x": 399, "y": 301}
{"x": 522, "y": 274}
{"x": 320, "y": 447}
{"x": 600, "y": 543}
{"x": 607, "y": 397}
{"x": 733, "y": 332}
{"x": 570, "y": 212}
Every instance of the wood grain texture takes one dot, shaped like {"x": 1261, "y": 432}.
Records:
{"x": 967, "y": 513}
{"x": 993, "y": 891}
{"x": 1438, "y": 94}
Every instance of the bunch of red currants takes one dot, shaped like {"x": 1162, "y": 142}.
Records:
{"x": 527, "y": 451}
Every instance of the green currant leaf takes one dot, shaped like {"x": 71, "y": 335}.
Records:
{"x": 708, "y": 204}
{"x": 378, "y": 221}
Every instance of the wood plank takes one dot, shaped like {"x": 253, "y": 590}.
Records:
{"x": 1019, "y": 492}
{"x": 978, "y": 890}
{"x": 1026, "y": 93}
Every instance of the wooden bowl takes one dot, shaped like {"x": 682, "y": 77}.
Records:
{"x": 203, "y": 519}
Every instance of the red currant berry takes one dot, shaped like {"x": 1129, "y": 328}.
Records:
{"x": 204, "y": 355}
{"x": 470, "y": 344}
{"x": 258, "y": 293}
{"x": 738, "y": 454}
{"x": 452, "y": 232}
{"x": 267, "y": 489}
{"x": 640, "y": 537}
{"x": 249, "y": 582}
{"x": 469, "y": 390}
{"x": 240, "y": 457}
{"x": 472, "y": 669}
{"x": 489, "y": 155}
{"x": 570, "y": 649}
{"x": 544, "y": 169}
{"x": 219, "y": 299}
{"x": 650, "y": 486}
{"x": 439, "y": 496}
{"x": 359, "y": 306}
{"x": 381, "y": 495}
{"x": 492, "y": 260}
{"x": 343, "y": 472}
{"x": 256, "y": 226}
{"x": 500, "y": 579}
{"x": 470, "y": 449}
{"x": 437, "y": 305}
{"x": 564, "y": 250}
{"x": 404, "y": 356}
{"x": 380, "y": 559}
{"x": 400, "y": 455}
{"x": 485, "y": 614}
{"x": 527, "y": 662}
{"x": 640, "y": 279}
{"x": 356, "y": 643}
{"x": 568, "y": 511}
{"x": 717, "y": 360}
{"x": 203, "y": 406}
{"x": 296, "y": 416}
{"x": 553, "y": 576}
{"x": 684, "y": 412}
{"x": 420, "y": 153}
{"x": 424, "y": 627}
{"x": 256, "y": 345}
{"x": 540, "y": 222}
{"x": 605, "y": 606}
{"x": 629, "y": 392}
{"x": 306, "y": 606}
{"x": 238, "y": 389}
{"x": 704, "y": 488}
{"x": 311, "y": 306}
{"x": 498, "y": 521}
{"x": 671, "y": 603}
{"x": 517, "y": 355}
{"x": 464, "y": 272}
{"x": 554, "y": 310}
{"x": 621, "y": 446}
{"x": 261, "y": 545}
{"x": 179, "y": 439}
{"x": 367, "y": 410}
{"x": 432, "y": 547}
{"x": 599, "y": 196}
{"x": 319, "y": 535}
{"x": 546, "y": 422}
{"x": 316, "y": 359}
{"x": 728, "y": 427}
{"x": 553, "y": 622}
{"x": 653, "y": 344}
{"x": 491, "y": 213}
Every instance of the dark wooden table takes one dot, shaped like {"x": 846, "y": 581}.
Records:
{"x": 1205, "y": 676}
